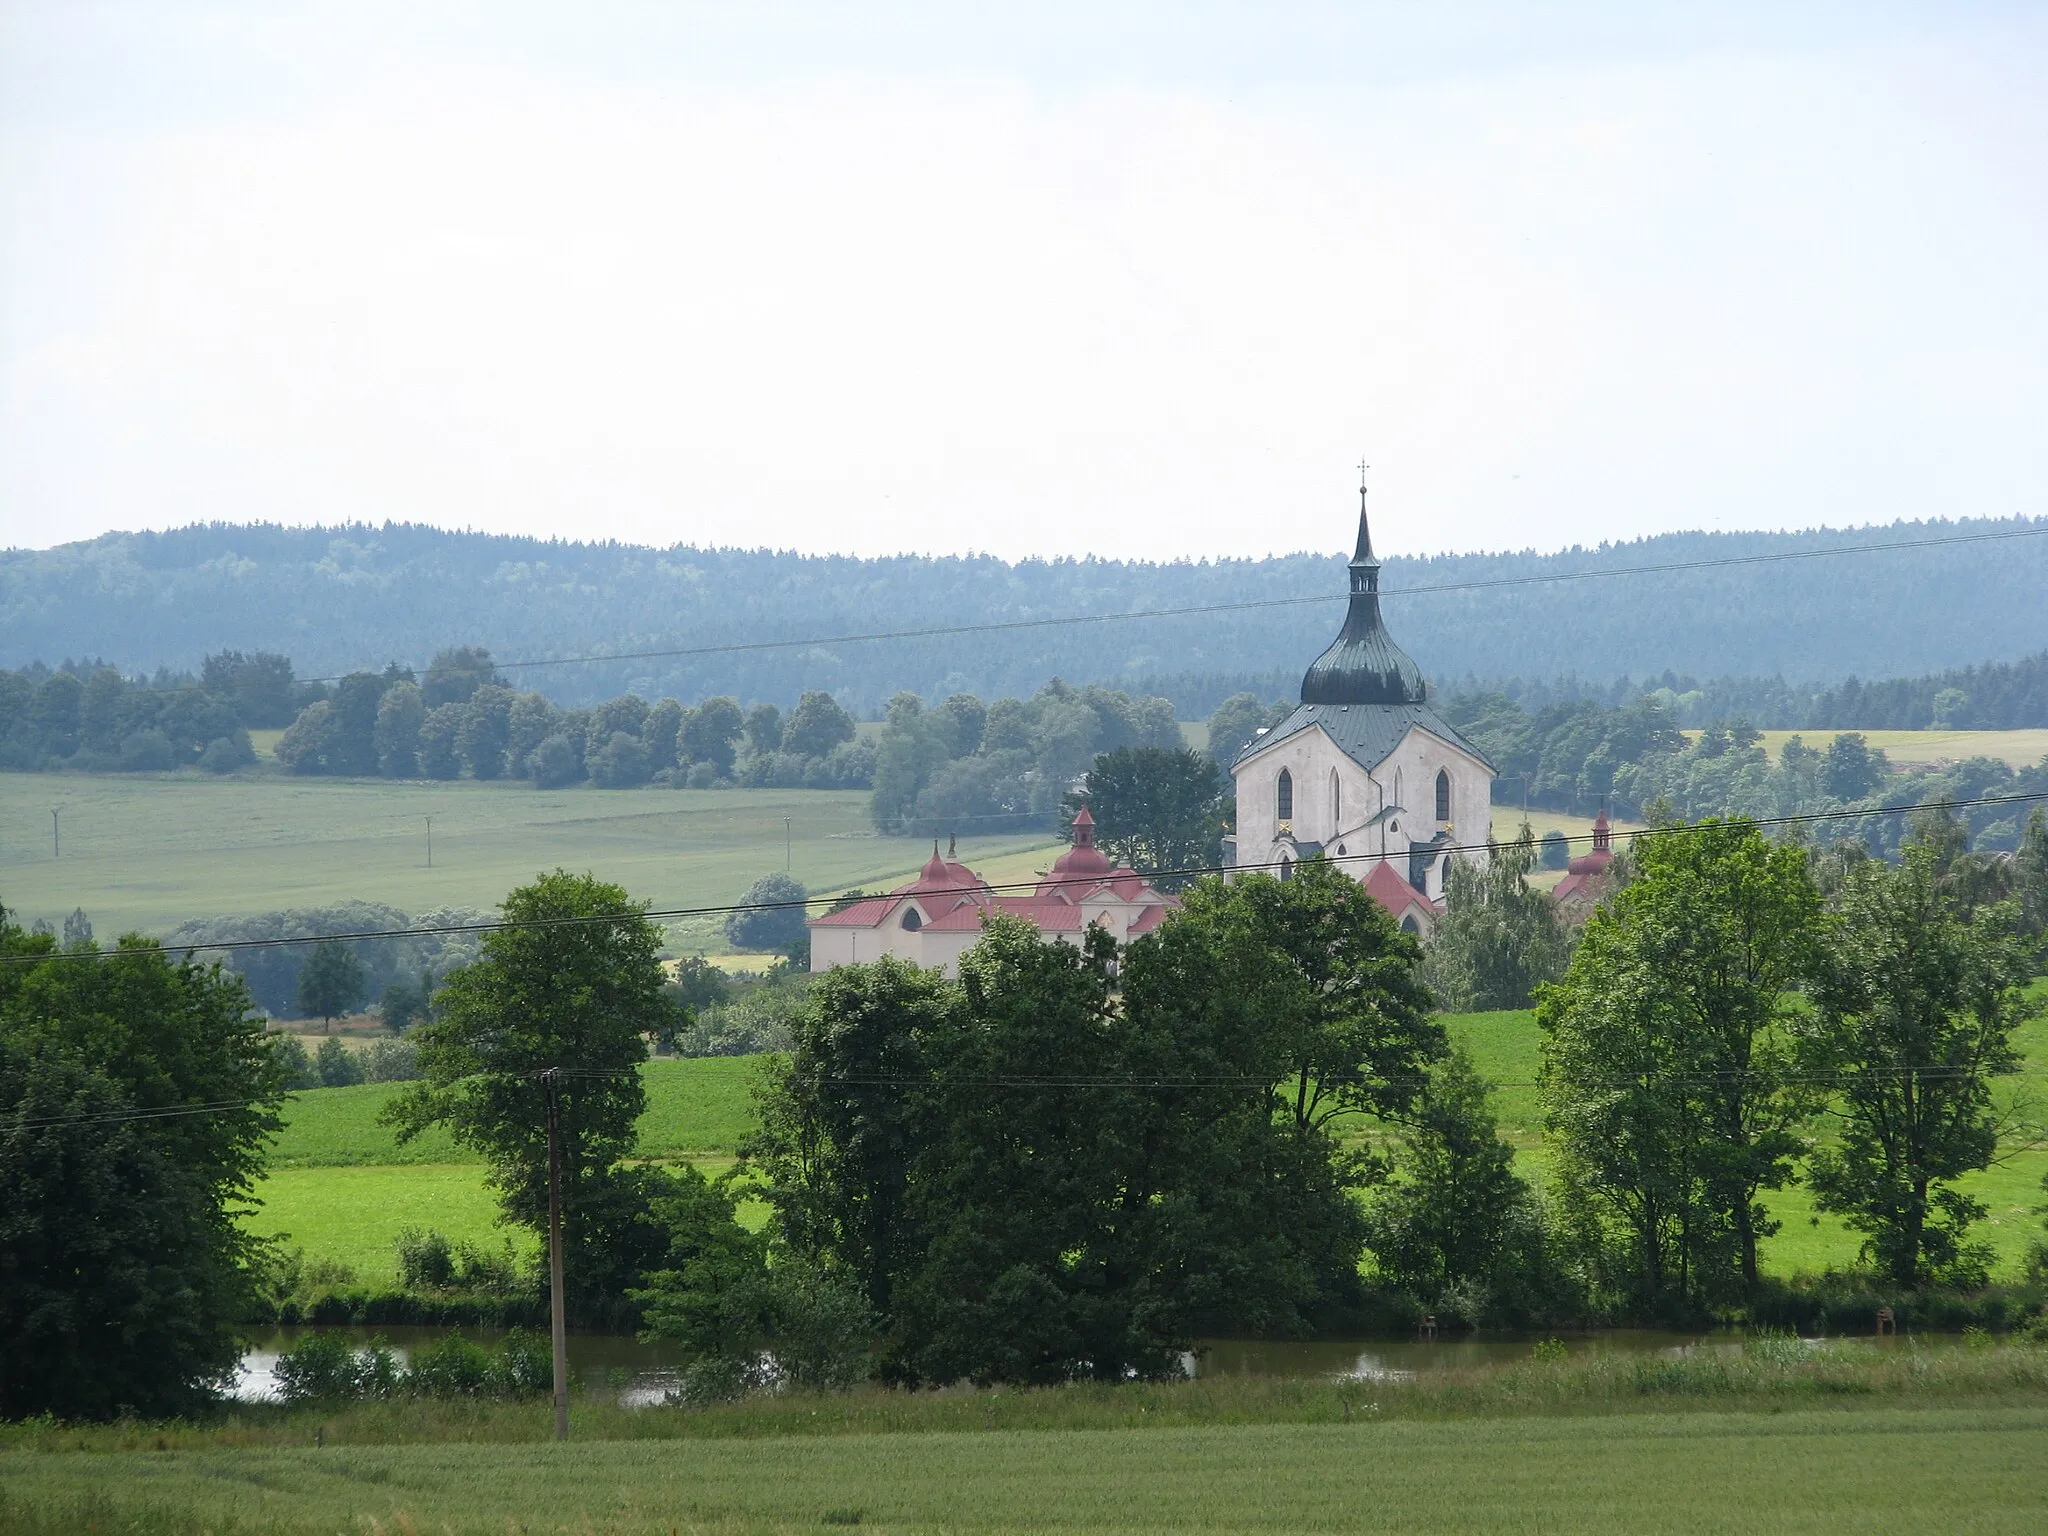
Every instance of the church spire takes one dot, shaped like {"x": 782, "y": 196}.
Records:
{"x": 1365, "y": 566}
{"x": 1364, "y": 666}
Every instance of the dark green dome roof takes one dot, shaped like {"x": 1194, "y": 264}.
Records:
{"x": 1363, "y": 665}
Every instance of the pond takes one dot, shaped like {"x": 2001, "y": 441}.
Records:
{"x": 638, "y": 1374}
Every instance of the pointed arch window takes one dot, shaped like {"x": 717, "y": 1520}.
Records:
{"x": 1286, "y": 868}
{"x": 1336, "y": 800}
{"x": 1283, "y": 796}
{"x": 912, "y": 919}
{"x": 1443, "y": 794}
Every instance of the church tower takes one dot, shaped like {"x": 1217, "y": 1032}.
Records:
{"x": 1364, "y": 772}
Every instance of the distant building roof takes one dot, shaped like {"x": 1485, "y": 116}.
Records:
{"x": 1365, "y": 733}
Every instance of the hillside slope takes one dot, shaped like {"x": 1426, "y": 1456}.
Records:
{"x": 340, "y": 598}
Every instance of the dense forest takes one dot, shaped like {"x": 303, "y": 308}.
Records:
{"x": 360, "y": 597}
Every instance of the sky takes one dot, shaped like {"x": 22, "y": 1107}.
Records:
{"x": 1142, "y": 280}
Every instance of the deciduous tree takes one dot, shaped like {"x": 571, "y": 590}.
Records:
{"x": 1668, "y": 1072}
{"x": 575, "y": 985}
{"x": 1913, "y": 1017}
{"x": 331, "y": 982}
{"x": 124, "y": 1271}
{"x": 1156, "y": 809}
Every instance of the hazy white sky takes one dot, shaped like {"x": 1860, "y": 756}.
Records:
{"x": 1125, "y": 280}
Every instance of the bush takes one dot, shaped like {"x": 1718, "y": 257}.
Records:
{"x": 756, "y": 1016}
{"x": 336, "y": 1065}
{"x": 224, "y": 754}
{"x": 148, "y": 752}
{"x": 1556, "y": 851}
{"x": 780, "y": 926}
{"x": 452, "y": 1368}
{"x": 326, "y": 1368}
{"x": 555, "y": 763}
{"x": 290, "y": 1285}
{"x": 522, "y": 1366}
{"x": 293, "y": 1063}
{"x": 426, "y": 1259}
{"x": 621, "y": 763}
{"x": 391, "y": 1061}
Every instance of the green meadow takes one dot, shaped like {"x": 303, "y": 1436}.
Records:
{"x": 146, "y": 852}
{"x": 1872, "y": 1471}
{"x": 342, "y": 1186}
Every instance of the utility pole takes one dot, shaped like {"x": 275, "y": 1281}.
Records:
{"x": 56, "y": 835}
{"x": 785, "y": 845}
{"x": 430, "y": 842}
{"x": 557, "y": 1304}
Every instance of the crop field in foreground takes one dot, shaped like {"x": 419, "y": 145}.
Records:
{"x": 1869, "y": 1471}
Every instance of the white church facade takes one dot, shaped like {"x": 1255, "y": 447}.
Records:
{"x": 1364, "y": 773}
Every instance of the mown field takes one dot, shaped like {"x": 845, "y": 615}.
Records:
{"x": 147, "y": 852}
{"x": 2021, "y": 749}
{"x": 1962, "y": 1470}
{"x": 343, "y": 1188}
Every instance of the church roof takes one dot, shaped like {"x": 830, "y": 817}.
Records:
{"x": 1364, "y": 690}
{"x": 1363, "y": 665}
{"x": 1365, "y": 733}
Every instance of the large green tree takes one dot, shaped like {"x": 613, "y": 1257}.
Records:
{"x": 573, "y": 984}
{"x": 1156, "y": 809}
{"x": 1669, "y": 1078}
{"x": 844, "y": 1115}
{"x": 1071, "y": 1161}
{"x": 1914, "y": 1013}
{"x": 1354, "y": 1025}
{"x": 123, "y": 1269}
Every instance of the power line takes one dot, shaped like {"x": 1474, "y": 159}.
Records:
{"x": 674, "y": 914}
{"x": 1002, "y": 626}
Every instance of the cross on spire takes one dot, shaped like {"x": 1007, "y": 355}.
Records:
{"x": 1362, "y": 468}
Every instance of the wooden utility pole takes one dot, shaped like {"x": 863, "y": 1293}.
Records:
{"x": 56, "y": 835}
{"x": 430, "y": 842}
{"x": 785, "y": 844}
{"x": 557, "y": 1303}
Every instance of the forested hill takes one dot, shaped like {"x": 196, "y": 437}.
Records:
{"x": 335, "y": 599}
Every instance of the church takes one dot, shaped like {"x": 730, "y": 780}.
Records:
{"x": 1364, "y": 772}
{"x": 935, "y": 918}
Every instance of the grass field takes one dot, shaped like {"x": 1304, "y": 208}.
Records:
{"x": 149, "y": 851}
{"x": 2019, "y": 748}
{"x": 693, "y": 1106}
{"x": 343, "y": 1187}
{"x": 1506, "y": 1048}
{"x": 1960, "y": 1470}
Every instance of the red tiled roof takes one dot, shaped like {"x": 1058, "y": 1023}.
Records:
{"x": 1392, "y": 892}
{"x": 1149, "y": 918}
{"x": 862, "y": 914}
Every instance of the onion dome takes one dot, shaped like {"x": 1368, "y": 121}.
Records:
{"x": 1602, "y": 852}
{"x": 1084, "y": 860}
{"x": 1363, "y": 665}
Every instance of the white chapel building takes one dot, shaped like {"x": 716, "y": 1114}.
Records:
{"x": 1364, "y": 772}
